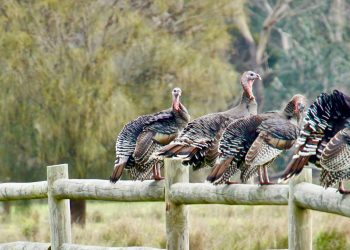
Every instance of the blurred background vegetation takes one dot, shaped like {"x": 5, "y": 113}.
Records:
{"x": 212, "y": 227}
{"x": 72, "y": 73}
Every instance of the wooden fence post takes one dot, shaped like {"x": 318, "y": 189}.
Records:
{"x": 300, "y": 220}
{"x": 59, "y": 210}
{"x": 176, "y": 215}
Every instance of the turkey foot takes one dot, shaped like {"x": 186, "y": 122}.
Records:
{"x": 266, "y": 183}
{"x": 156, "y": 173}
{"x": 342, "y": 190}
{"x": 231, "y": 182}
{"x": 158, "y": 177}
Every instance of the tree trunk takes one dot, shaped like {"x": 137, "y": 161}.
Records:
{"x": 6, "y": 211}
{"x": 257, "y": 50}
{"x": 7, "y": 208}
{"x": 338, "y": 19}
{"x": 78, "y": 212}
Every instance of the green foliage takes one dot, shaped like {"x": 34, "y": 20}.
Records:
{"x": 316, "y": 60}
{"x": 30, "y": 227}
{"x": 74, "y": 72}
{"x": 334, "y": 240}
{"x": 143, "y": 224}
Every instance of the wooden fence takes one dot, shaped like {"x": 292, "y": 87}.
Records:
{"x": 300, "y": 196}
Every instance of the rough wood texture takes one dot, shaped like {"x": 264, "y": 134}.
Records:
{"x": 23, "y": 191}
{"x": 176, "y": 215}
{"x": 59, "y": 209}
{"x": 302, "y": 197}
{"x": 300, "y": 220}
{"x": 237, "y": 194}
{"x": 325, "y": 200}
{"x": 82, "y": 247}
{"x": 24, "y": 245}
{"x": 104, "y": 190}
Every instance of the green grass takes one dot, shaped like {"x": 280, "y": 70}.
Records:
{"x": 143, "y": 224}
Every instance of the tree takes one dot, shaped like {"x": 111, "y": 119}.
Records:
{"x": 303, "y": 48}
{"x": 255, "y": 57}
{"x": 74, "y": 72}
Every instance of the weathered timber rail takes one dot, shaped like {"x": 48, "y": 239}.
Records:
{"x": 104, "y": 190}
{"x": 23, "y": 191}
{"x": 300, "y": 195}
{"x": 238, "y": 194}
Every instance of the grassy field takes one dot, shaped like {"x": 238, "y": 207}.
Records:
{"x": 143, "y": 224}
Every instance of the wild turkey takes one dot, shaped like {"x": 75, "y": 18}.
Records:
{"x": 254, "y": 142}
{"x": 141, "y": 137}
{"x": 197, "y": 145}
{"x": 325, "y": 140}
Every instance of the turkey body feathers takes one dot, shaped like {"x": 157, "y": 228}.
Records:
{"x": 325, "y": 117}
{"x": 140, "y": 138}
{"x": 279, "y": 128}
{"x": 163, "y": 121}
{"x": 335, "y": 159}
{"x": 198, "y": 143}
{"x": 202, "y": 136}
{"x": 255, "y": 141}
{"x": 234, "y": 145}
{"x": 275, "y": 135}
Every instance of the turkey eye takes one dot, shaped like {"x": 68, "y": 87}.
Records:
{"x": 251, "y": 74}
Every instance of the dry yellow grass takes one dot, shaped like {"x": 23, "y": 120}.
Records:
{"x": 211, "y": 226}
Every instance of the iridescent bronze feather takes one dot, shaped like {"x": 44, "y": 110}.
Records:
{"x": 324, "y": 140}
{"x": 198, "y": 144}
{"x": 254, "y": 142}
{"x": 141, "y": 137}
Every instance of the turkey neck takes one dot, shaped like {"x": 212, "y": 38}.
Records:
{"x": 181, "y": 115}
{"x": 248, "y": 103}
{"x": 289, "y": 113}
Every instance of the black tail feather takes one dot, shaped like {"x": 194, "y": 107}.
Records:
{"x": 117, "y": 172}
{"x": 218, "y": 170}
{"x": 295, "y": 167}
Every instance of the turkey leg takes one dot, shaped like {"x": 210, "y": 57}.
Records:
{"x": 156, "y": 172}
{"x": 261, "y": 179}
{"x": 341, "y": 188}
{"x": 266, "y": 180}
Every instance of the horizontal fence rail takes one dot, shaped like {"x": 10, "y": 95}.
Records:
{"x": 317, "y": 198}
{"x": 299, "y": 195}
{"x": 81, "y": 247}
{"x": 104, "y": 190}
{"x": 238, "y": 194}
{"x": 23, "y": 191}
{"x": 25, "y": 245}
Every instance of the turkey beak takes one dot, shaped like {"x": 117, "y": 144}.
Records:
{"x": 258, "y": 77}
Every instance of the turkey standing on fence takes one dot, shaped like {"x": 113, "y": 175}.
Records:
{"x": 254, "y": 142}
{"x": 197, "y": 145}
{"x": 141, "y": 137}
{"x": 325, "y": 140}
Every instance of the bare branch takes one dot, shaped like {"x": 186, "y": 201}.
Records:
{"x": 267, "y": 6}
{"x": 279, "y": 12}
